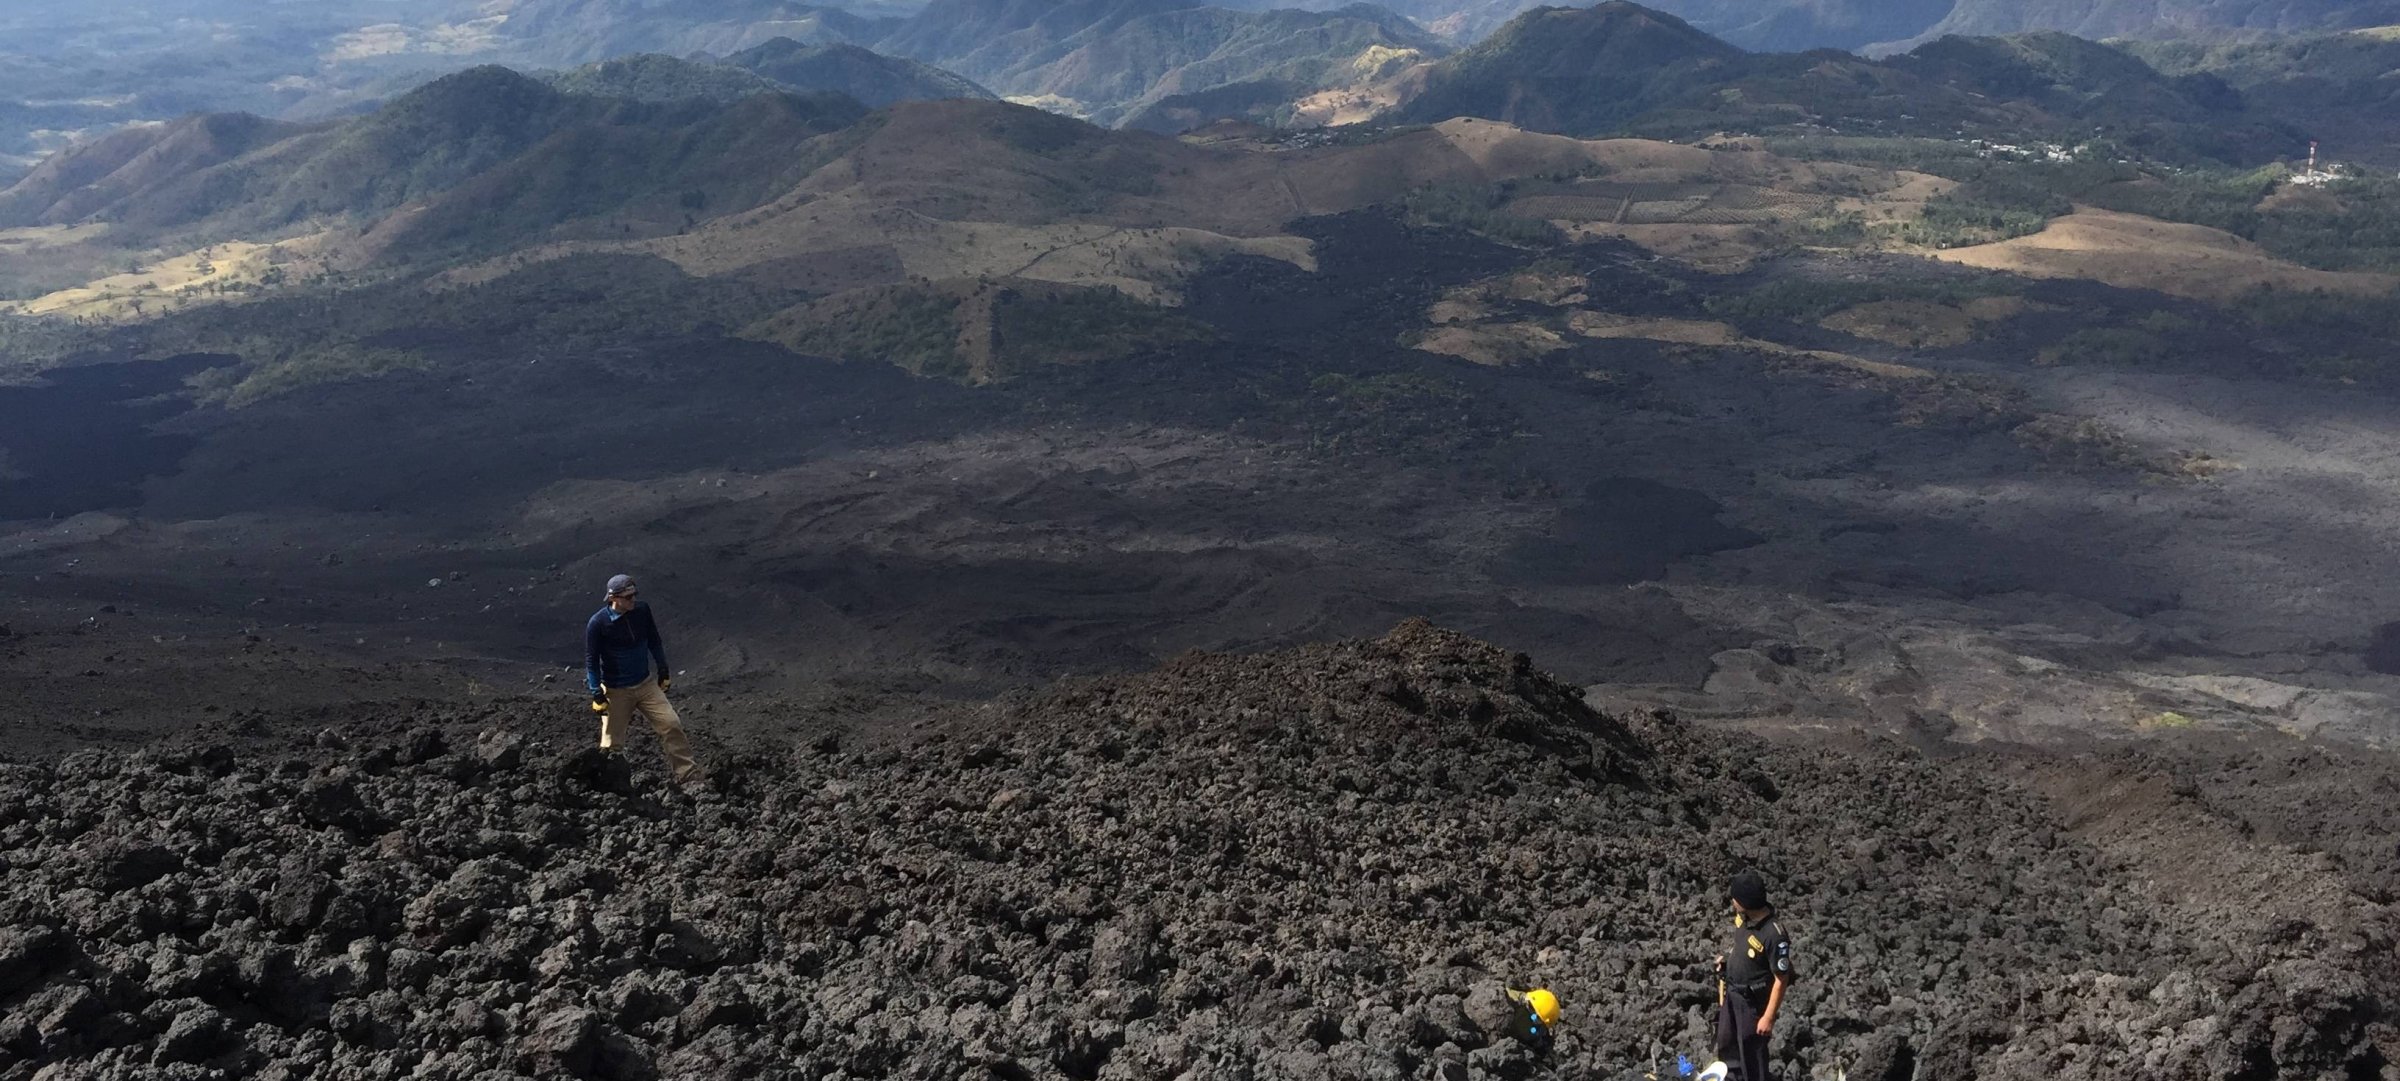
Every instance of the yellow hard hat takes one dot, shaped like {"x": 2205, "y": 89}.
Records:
{"x": 1545, "y": 1004}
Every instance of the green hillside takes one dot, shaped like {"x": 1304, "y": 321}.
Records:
{"x": 94, "y": 178}
{"x": 1109, "y": 59}
{"x": 1576, "y": 69}
{"x": 426, "y": 141}
{"x": 650, "y": 171}
{"x": 2341, "y": 89}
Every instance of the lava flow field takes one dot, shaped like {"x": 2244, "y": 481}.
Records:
{"x": 1320, "y": 863}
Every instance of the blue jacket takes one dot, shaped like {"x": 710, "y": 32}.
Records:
{"x": 618, "y": 649}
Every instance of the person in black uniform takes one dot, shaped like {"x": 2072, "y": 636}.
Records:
{"x": 1751, "y": 979}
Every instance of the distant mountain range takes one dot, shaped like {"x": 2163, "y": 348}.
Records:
{"x": 2342, "y": 87}
{"x": 2161, "y": 20}
{"x": 1161, "y": 65}
{"x": 487, "y": 157}
{"x": 1622, "y": 68}
{"x": 1100, "y": 59}
{"x": 972, "y": 238}
{"x": 490, "y": 157}
{"x": 1168, "y": 65}
{"x": 944, "y": 32}
{"x": 1105, "y": 59}
{"x": 781, "y": 64}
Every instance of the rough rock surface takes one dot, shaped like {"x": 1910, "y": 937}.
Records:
{"x": 1315, "y": 864}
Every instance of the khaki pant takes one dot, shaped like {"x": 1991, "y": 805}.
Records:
{"x": 646, "y": 699}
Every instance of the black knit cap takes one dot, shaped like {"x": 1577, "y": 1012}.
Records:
{"x": 1750, "y": 889}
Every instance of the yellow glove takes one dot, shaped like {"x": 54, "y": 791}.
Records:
{"x": 600, "y": 700}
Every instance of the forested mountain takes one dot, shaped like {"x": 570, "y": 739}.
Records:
{"x": 869, "y": 76}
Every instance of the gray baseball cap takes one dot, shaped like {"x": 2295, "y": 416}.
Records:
{"x": 621, "y": 585}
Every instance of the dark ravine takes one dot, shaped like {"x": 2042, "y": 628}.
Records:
{"x": 1319, "y": 863}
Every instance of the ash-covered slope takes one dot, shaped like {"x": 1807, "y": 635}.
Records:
{"x": 1320, "y": 863}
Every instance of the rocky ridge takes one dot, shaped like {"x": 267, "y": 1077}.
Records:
{"x": 1323, "y": 863}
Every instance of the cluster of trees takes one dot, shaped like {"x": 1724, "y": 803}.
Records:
{"x": 1081, "y": 325}
{"x": 1477, "y": 208}
{"x": 912, "y": 326}
{"x": 2350, "y": 224}
{"x": 1959, "y": 219}
{"x": 1795, "y": 299}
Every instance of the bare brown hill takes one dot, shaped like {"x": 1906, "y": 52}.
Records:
{"x": 102, "y": 176}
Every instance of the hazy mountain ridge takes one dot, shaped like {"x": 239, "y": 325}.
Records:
{"x": 1882, "y": 26}
{"x": 1100, "y": 58}
{"x": 871, "y": 77}
{"x": 574, "y": 32}
{"x": 423, "y": 141}
{"x": 1621, "y": 67}
{"x": 76, "y": 74}
{"x": 1109, "y": 58}
{"x": 2341, "y": 88}
{"x": 90, "y": 179}
{"x": 1614, "y": 67}
{"x": 2202, "y": 20}
{"x": 490, "y": 156}
{"x": 648, "y": 174}
{"x": 778, "y": 65}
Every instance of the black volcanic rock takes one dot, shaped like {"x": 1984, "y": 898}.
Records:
{"x": 1324, "y": 862}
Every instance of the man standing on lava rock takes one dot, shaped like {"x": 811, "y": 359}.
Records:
{"x": 619, "y": 644}
{"x": 1751, "y": 979}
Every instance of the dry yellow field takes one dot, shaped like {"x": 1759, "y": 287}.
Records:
{"x": 1678, "y": 331}
{"x": 216, "y": 273}
{"x": 161, "y": 286}
{"x": 33, "y": 238}
{"x": 2134, "y": 252}
{"x": 1924, "y": 324}
{"x": 1462, "y": 325}
{"x": 1490, "y": 343}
